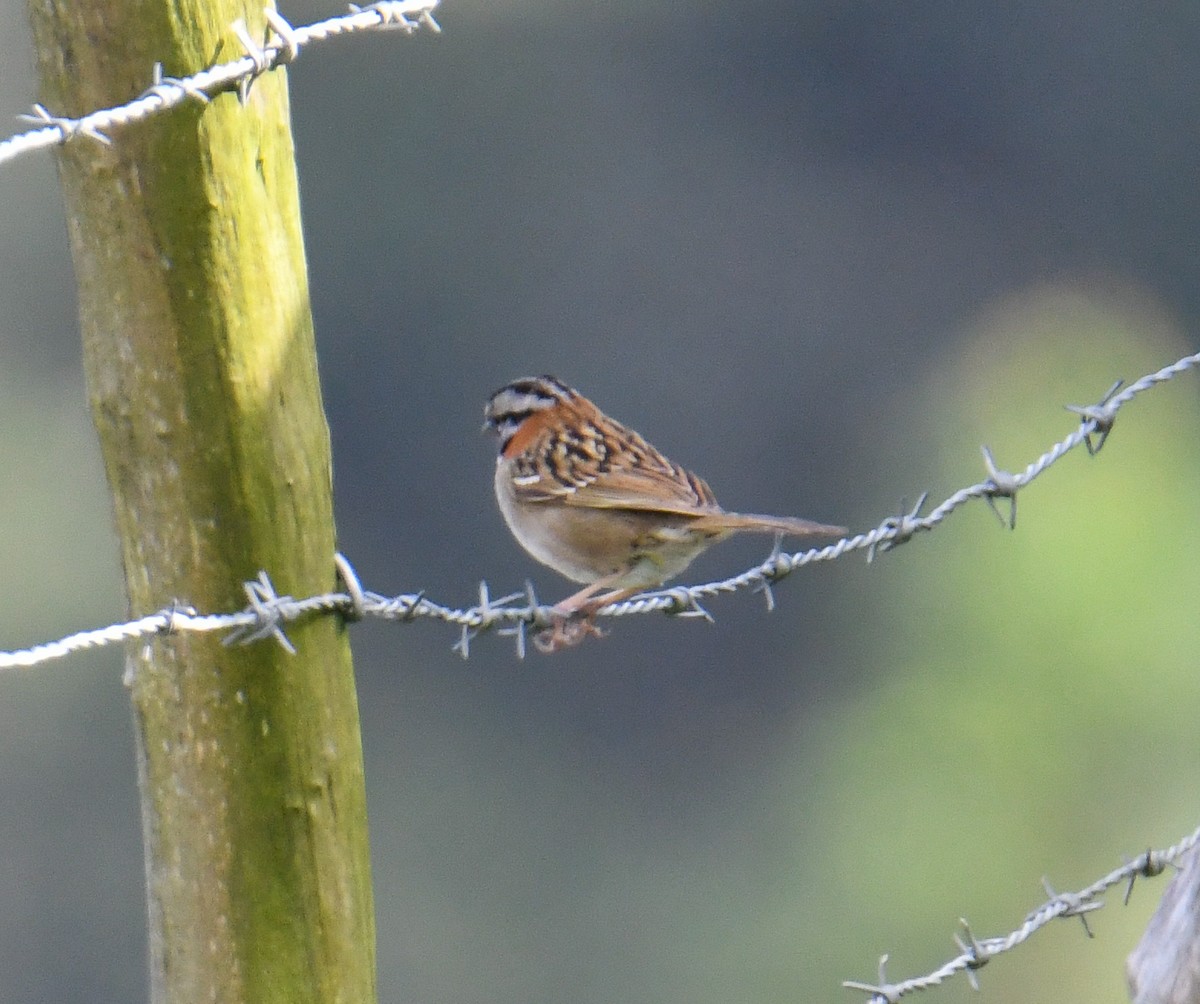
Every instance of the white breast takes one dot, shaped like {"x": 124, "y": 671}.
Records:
{"x": 536, "y": 528}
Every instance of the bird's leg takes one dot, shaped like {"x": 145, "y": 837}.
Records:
{"x": 575, "y": 617}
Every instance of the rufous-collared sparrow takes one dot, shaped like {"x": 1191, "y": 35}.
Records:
{"x": 597, "y": 503}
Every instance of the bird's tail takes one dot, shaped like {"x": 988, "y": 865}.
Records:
{"x": 755, "y": 523}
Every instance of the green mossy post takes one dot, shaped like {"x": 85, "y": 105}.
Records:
{"x": 201, "y": 370}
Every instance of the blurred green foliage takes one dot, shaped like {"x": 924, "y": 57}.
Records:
{"x": 1031, "y": 709}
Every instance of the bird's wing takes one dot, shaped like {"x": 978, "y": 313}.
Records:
{"x": 581, "y": 470}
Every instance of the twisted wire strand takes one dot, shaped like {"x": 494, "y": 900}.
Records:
{"x": 268, "y": 612}
{"x": 976, "y": 953}
{"x": 282, "y": 46}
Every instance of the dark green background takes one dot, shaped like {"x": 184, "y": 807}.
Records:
{"x": 817, "y": 252}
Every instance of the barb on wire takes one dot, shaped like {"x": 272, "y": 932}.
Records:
{"x": 512, "y": 615}
{"x": 1101, "y": 415}
{"x": 1000, "y": 484}
{"x": 282, "y": 44}
{"x": 901, "y": 528}
{"x": 974, "y": 952}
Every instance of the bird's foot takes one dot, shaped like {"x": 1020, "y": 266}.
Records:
{"x": 567, "y": 630}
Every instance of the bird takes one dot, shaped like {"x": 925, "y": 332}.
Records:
{"x": 590, "y": 498}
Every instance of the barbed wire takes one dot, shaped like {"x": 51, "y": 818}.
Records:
{"x": 267, "y": 612}
{"x": 974, "y": 953}
{"x": 282, "y": 44}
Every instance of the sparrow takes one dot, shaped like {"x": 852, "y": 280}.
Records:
{"x": 592, "y": 499}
